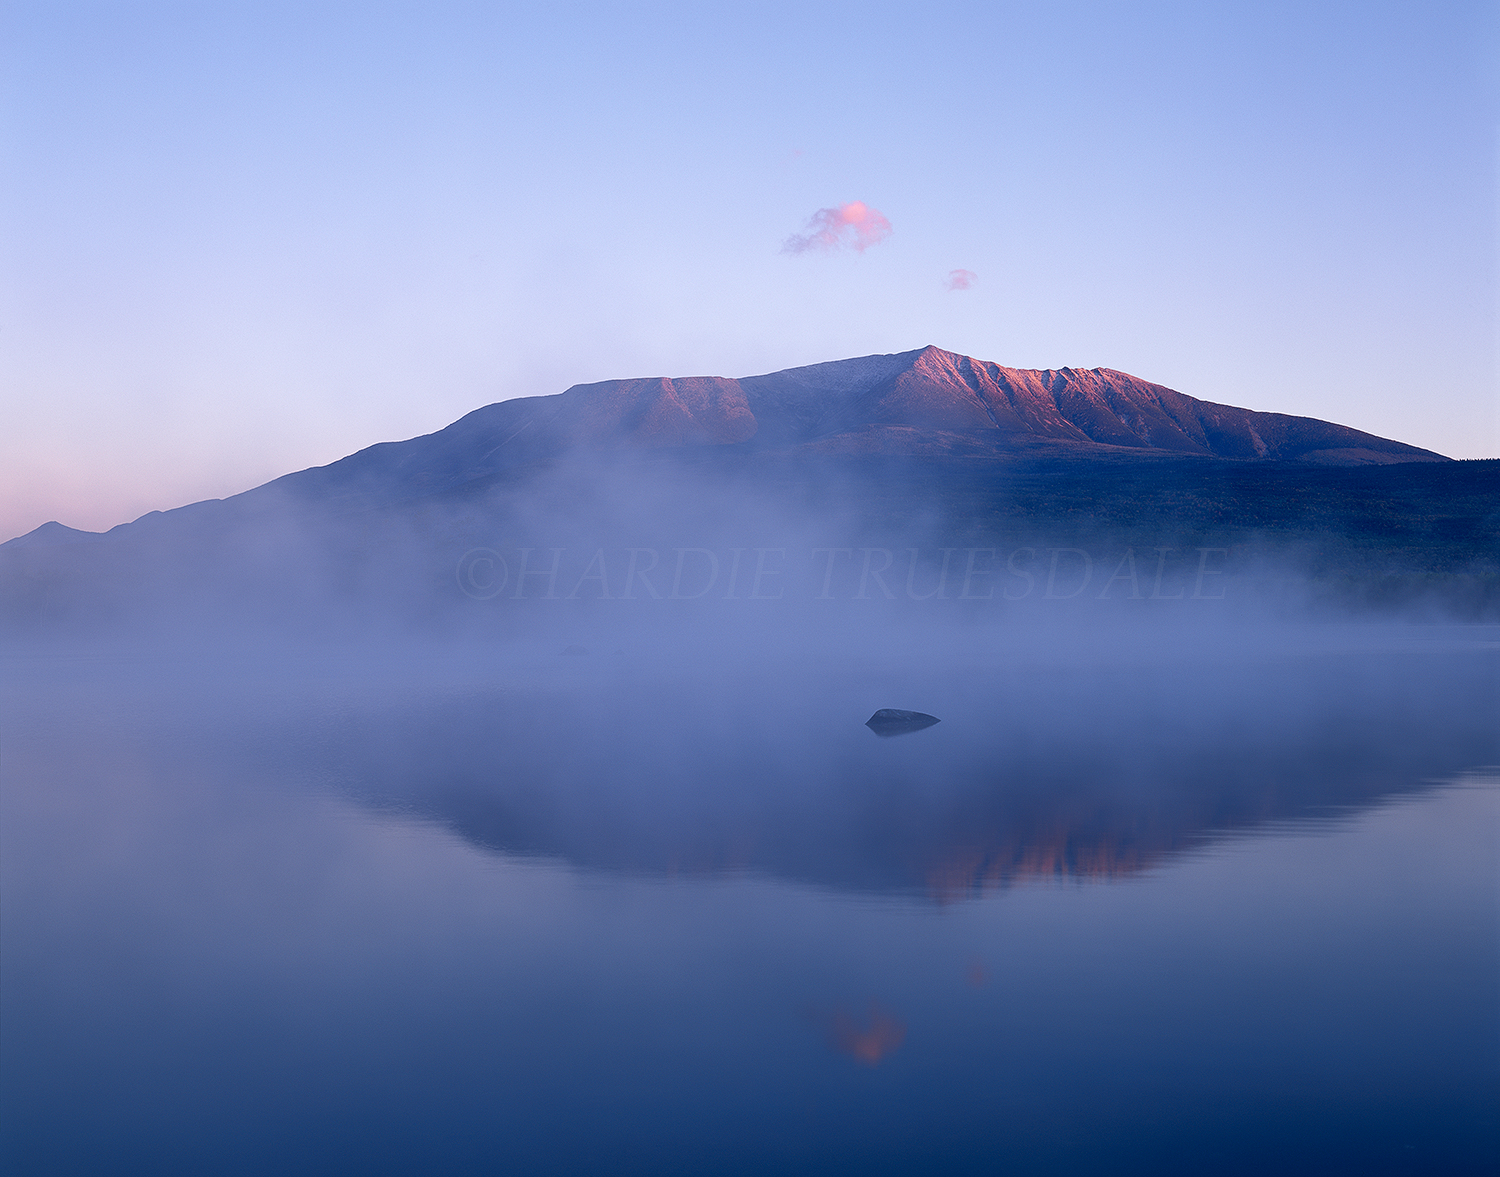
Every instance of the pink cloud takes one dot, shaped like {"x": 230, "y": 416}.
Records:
{"x": 960, "y": 279}
{"x": 855, "y": 224}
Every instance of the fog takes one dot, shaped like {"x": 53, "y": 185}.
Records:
{"x": 664, "y": 661}
{"x": 539, "y": 822}
{"x": 711, "y": 544}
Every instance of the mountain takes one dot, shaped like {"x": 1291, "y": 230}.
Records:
{"x": 928, "y": 403}
{"x": 925, "y": 403}
{"x": 923, "y": 449}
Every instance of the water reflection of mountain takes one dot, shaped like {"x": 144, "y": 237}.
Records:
{"x": 1037, "y": 775}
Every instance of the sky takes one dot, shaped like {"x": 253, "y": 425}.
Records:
{"x": 240, "y": 240}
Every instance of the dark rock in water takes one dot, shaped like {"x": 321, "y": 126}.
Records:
{"x": 890, "y": 722}
{"x": 575, "y": 650}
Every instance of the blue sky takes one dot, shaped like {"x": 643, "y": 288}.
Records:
{"x": 244, "y": 240}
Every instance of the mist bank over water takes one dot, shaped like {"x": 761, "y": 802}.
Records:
{"x": 648, "y": 538}
{"x": 1065, "y": 751}
{"x": 1037, "y": 772}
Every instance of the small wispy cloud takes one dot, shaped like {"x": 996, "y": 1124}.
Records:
{"x": 960, "y": 279}
{"x": 855, "y": 225}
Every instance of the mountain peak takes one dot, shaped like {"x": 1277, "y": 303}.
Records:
{"x": 936, "y": 401}
{"x": 929, "y": 402}
{"x": 49, "y": 535}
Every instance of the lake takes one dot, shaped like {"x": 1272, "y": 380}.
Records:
{"x": 1176, "y": 902}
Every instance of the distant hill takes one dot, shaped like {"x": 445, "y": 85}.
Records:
{"x": 51, "y": 535}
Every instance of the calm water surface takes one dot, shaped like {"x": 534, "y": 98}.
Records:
{"x": 1157, "y": 912}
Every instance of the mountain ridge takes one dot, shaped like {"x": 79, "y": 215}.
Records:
{"x": 937, "y": 391}
{"x": 923, "y": 403}
{"x": 927, "y": 402}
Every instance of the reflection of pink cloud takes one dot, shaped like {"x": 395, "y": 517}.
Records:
{"x": 976, "y": 974}
{"x": 855, "y": 224}
{"x": 960, "y": 279}
{"x": 869, "y": 1039}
